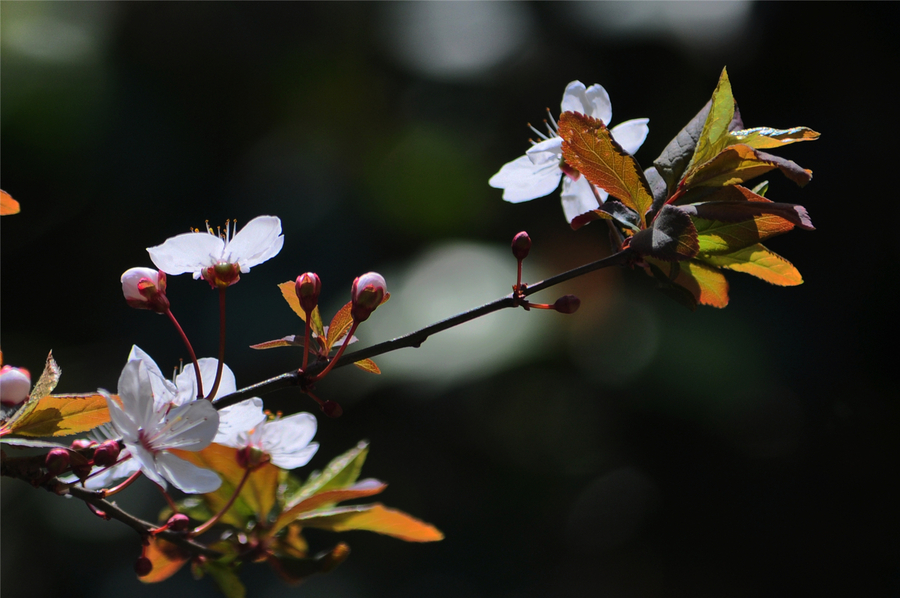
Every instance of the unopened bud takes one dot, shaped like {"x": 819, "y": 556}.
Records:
{"x": 567, "y": 304}
{"x": 57, "y": 461}
{"x": 308, "y": 287}
{"x": 145, "y": 288}
{"x": 521, "y": 245}
{"x": 107, "y": 453}
{"x": 222, "y": 275}
{"x": 15, "y": 384}
{"x": 143, "y": 566}
{"x": 366, "y": 294}
{"x": 178, "y": 522}
{"x": 331, "y": 409}
{"x": 82, "y": 471}
{"x": 81, "y": 444}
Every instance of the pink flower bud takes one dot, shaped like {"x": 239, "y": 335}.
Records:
{"x": 15, "y": 384}
{"x": 567, "y": 304}
{"x": 308, "y": 287}
{"x": 179, "y": 522}
{"x": 81, "y": 444}
{"x": 366, "y": 294}
{"x": 143, "y": 566}
{"x": 222, "y": 275}
{"x": 107, "y": 453}
{"x": 521, "y": 245}
{"x": 57, "y": 461}
{"x": 145, "y": 288}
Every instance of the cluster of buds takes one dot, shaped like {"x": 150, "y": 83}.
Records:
{"x": 521, "y": 246}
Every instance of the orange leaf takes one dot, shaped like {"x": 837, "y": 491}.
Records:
{"x": 706, "y": 283}
{"x": 340, "y": 324}
{"x": 589, "y": 147}
{"x": 167, "y": 559}
{"x": 8, "y": 205}
{"x": 361, "y": 489}
{"x": 374, "y": 518}
{"x": 61, "y": 415}
{"x": 290, "y": 295}
{"x": 758, "y": 261}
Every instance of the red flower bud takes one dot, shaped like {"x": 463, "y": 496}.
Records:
{"x": 81, "y": 444}
{"x": 145, "y": 288}
{"x": 567, "y": 304}
{"x": 331, "y": 409}
{"x": 15, "y": 384}
{"x": 143, "y": 566}
{"x": 308, "y": 287}
{"x": 366, "y": 294}
{"x": 178, "y": 522}
{"x": 57, "y": 461}
{"x": 222, "y": 275}
{"x": 521, "y": 245}
{"x": 107, "y": 453}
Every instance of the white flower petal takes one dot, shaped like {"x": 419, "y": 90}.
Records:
{"x": 548, "y": 151}
{"x": 190, "y": 427}
{"x": 578, "y": 199}
{"x": 111, "y": 475}
{"x": 593, "y": 101}
{"x": 185, "y": 476}
{"x": 162, "y": 388}
{"x": 521, "y": 180}
{"x": 136, "y": 393}
{"x": 186, "y": 382}
{"x": 238, "y": 419}
{"x": 287, "y": 440}
{"x": 120, "y": 420}
{"x": 631, "y": 133}
{"x": 189, "y": 252}
{"x": 147, "y": 462}
{"x": 258, "y": 241}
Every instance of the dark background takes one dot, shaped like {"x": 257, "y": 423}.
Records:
{"x": 633, "y": 449}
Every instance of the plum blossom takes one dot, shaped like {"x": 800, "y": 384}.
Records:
{"x": 149, "y": 425}
{"x": 220, "y": 259}
{"x": 145, "y": 288}
{"x": 537, "y": 173}
{"x": 286, "y": 440}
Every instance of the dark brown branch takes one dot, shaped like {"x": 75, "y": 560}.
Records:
{"x": 415, "y": 339}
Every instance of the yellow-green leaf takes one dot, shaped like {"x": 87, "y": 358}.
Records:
{"x": 766, "y": 137}
{"x": 361, "y": 489}
{"x": 61, "y": 415}
{"x": 374, "y": 518}
{"x": 257, "y": 497}
{"x": 342, "y": 472}
{"x": 589, "y": 147}
{"x": 758, "y": 261}
{"x": 739, "y": 163}
{"x": 367, "y": 365}
{"x": 713, "y": 138}
{"x": 717, "y": 237}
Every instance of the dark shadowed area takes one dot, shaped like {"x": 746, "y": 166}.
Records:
{"x": 634, "y": 449}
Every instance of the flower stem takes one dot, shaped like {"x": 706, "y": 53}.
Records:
{"x": 128, "y": 482}
{"x": 190, "y": 349}
{"x": 221, "y": 365}
{"x": 212, "y": 521}
{"x": 337, "y": 355}
{"x": 306, "y": 339}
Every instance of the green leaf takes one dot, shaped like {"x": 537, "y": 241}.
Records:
{"x": 342, "y": 472}
{"x": 766, "y": 137}
{"x": 758, "y": 261}
{"x": 589, "y": 147}
{"x": 761, "y": 189}
{"x": 739, "y": 163}
{"x": 325, "y": 498}
{"x": 671, "y": 237}
{"x": 374, "y": 518}
{"x": 714, "y": 136}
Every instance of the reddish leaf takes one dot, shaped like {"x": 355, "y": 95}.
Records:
{"x": 167, "y": 559}
{"x": 739, "y": 163}
{"x": 340, "y": 324}
{"x": 671, "y": 237}
{"x": 291, "y": 340}
{"x": 758, "y": 261}
{"x": 735, "y": 203}
{"x": 374, "y": 518}
{"x": 589, "y": 147}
